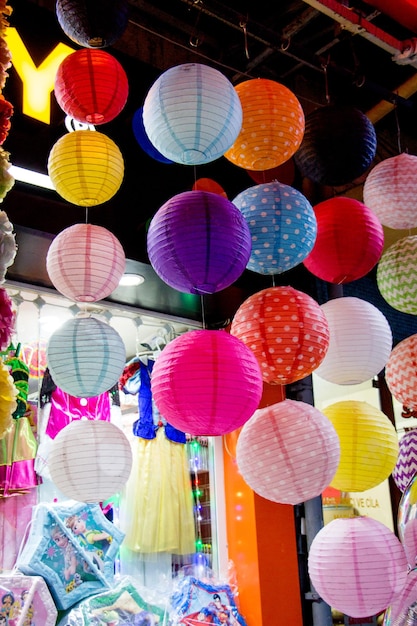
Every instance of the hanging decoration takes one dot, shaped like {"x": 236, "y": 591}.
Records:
{"x": 86, "y": 167}
{"x": 93, "y": 23}
{"x": 286, "y": 330}
{"x": 407, "y": 521}
{"x": 8, "y": 394}
{"x": 208, "y": 184}
{"x": 282, "y": 225}
{"x": 390, "y": 191}
{"x": 8, "y": 246}
{"x": 406, "y": 466}
{"x": 198, "y": 242}
{"x": 86, "y": 356}
{"x": 284, "y": 173}
{"x": 85, "y": 262}
{"x": 206, "y": 382}
{"x": 349, "y": 241}
{"x": 396, "y": 275}
{"x": 402, "y": 610}
{"x": 142, "y": 138}
{"x": 288, "y": 452}
{"x": 272, "y": 126}
{"x": 7, "y": 319}
{"x": 192, "y": 114}
{"x": 339, "y": 145}
{"x": 368, "y": 445}
{"x": 360, "y": 341}
{"x": 91, "y": 86}
{"x": 400, "y": 372}
{"x": 357, "y": 565}
{"x": 6, "y": 108}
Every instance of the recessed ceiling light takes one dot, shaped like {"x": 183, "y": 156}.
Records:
{"x": 131, "y": 280}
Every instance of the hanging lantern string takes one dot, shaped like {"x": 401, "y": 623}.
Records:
{"x": 397, "y": 123}
{"x": 194, "y": 40}
{"x": 243, "y": 25}
{"x": 86, "y": 214}
{"x": 203, "y": 316}
{"x": 326, "y": 80}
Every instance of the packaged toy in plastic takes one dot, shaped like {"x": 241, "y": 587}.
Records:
{"x": 26, "y": 601}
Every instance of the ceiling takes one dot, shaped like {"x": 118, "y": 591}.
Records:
{"x": 323, "y": 50}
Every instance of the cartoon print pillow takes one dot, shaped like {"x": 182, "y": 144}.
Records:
{"x": 196, "y": 603}
{"x": 72, "y": 545}
{"x": 26, "y": 601}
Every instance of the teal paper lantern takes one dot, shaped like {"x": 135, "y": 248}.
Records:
{"x": 282, "y": 224}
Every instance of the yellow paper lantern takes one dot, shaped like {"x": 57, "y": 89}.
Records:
{"x": 368, "y": 445}
{"x": 86, "y": 167}
{"x": 272, "y": 125}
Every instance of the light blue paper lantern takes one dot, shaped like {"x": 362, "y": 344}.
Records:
{"x": 282, "y": 224}
{"x": 192, "y": 114}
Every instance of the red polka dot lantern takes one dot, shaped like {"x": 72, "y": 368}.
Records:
{"x": 272, "y": 125}
{"x": 401, "y": 373}
{"x": 349, "y": 241}
{"x": 357, "y": 565}
{"x": 85, "y": 262}
{"x": 91, "y": 86}
{"x": 390, "y": 191}
{"x": 286, "y": 330}
{"x": 406, "y": 466}
{"x": 288, "y": 452}
{"x": 396, "y": 275}
{"x": 206, "y": 382}
{"x": 93, "y": 24}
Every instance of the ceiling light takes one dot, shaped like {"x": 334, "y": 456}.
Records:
{"x": 131, "y": 280}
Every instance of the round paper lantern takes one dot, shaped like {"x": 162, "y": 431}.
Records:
{"x": 403, "y": 610}
{"x": 282, "y": 225}
{"x": 368, "y": 445}
{"x": 357, "y": 565}
{"x": 192, "y": 114}
{"x": 401, "y": 374}
{"x": 284, "y": 173}
{"x": 407, "y": 520}
{"x": 93, "y": 23}
{"x": 206, "y": 382}
{"x": 396, "y": 275}
{"x": 85, "y": 262}
{"x": 91, "y": 86}
{"x": 142, "y": 138}
{"x": 360, "y": 341}
{"x": 208, "y": 184}
{"x": 85, "y": 357}
{"x": 406, "y": 466}
{"x": 286, "y": 330}
{"x": 288, "y": 452}
{"x": 338, "y": 146}
{"x": 86, "y": 167}
{"x": 272, "y": 125}
{"x": 390, "y": 191}
{"x": 90, "y": 460}
{"x": 349, "y": 241}
{"x": 198, "y": 242}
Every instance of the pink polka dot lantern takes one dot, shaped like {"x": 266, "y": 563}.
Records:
{"x": 401, "y": 374}
{"x": 357, "y": 565}
{"x": 206, "y": 382}
{"x": 406, "y": 466}
{"x": 287, "y": 331}
{"x": 288, "y": 452}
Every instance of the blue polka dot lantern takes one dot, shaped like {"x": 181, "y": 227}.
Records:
{"x": 192, "y": 114}
{"x": 282, "y": 224}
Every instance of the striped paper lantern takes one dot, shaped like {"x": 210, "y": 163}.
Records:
{"x": 396, "y": 275}
{"x": 288, "y": 452}
{"x": 368, "y": 445}
{"x": 286, "y": 330}
{"x": 282, "y": 225}
{"x": 390, "y": 191}
{"x": 192, "y": 114}
{"x": 406, "y": 466}
{"x": 357, "y": 565}
{"x": 360, "y": 341}
{"x": 79, "y": 460}
{"x": 85, "y": 357}
{"x": 401, "y": 373}
{"x": 85, "y": 262}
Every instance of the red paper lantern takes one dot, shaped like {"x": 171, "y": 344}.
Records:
{"x": 91, "y": 86}
{"x": 286, "y": 330}
{"x": 349, "y": 241}
{"x": 208, "y": 184}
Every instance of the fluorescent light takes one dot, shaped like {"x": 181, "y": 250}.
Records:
{"x": 30, "y": 177}
{"x": 131, "y": 280}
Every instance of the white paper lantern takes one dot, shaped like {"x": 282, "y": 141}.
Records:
{"x": 90, "y": 460}
{"x": 360, "y": 341}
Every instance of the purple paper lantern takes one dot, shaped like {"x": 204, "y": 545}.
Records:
{"x": 199, "y": 242}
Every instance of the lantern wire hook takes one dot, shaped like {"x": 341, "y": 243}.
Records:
{"x": 194, "y": 39}
{"x": 326, "y": 80}
{"x": 397, "y": 123}
{"x": 243, "y": 25}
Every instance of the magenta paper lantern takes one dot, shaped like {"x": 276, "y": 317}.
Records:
{"x": 349, "y": 241}
{"x": 85, "y": 262}
{"x": 286, "y": 330}
{"x": 206, "y": 382}
{"x": 198, "y": 242}
{"x": 390, "y": 191}
{"x": 406, "y": 466}
{"x": 401, "y": 373}
{"x": 357, "y": 565}
{"x": 288, "y": 452}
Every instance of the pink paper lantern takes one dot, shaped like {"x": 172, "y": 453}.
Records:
{"x": 286, "y": 330}
{"x": 206, "y": 382}
{"x": 357, "y": 565}
{"x": 288, "y": 452}
{"x": 406, "y": 466}
{"x": 85, "y": 262}
{"x": 401, "y": 374}
{"x": 349, "y": 241}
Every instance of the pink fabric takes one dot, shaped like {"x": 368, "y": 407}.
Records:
{"x": 15, "y": 514}
{"x": 65, "y": 409}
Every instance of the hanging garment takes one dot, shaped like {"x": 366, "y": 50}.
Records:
{"x": 17, "y": 459}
